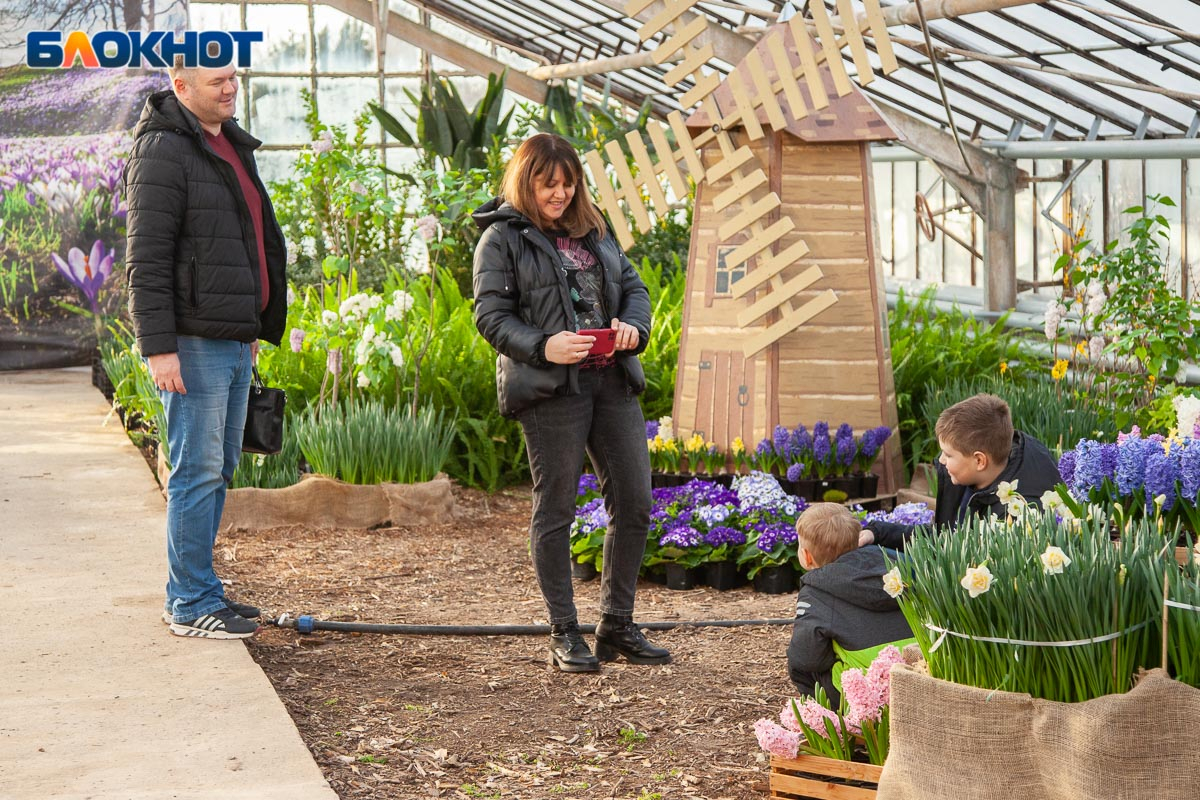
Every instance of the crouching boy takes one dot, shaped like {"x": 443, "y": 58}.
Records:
{"x": 980, "y": 450}
{"x": 843, "y": 615}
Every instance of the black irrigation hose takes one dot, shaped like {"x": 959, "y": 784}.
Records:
{"x": 307, "y": 624}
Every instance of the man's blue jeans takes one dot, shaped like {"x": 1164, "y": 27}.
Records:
{"x": 204, "y": 434}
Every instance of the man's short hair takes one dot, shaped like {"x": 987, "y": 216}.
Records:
{"x": 981, "y": 423}
{"x": 828, "y": 531}
{"x": 178, "y": 70}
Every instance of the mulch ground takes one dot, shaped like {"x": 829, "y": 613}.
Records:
{"x": 487, "y": 717}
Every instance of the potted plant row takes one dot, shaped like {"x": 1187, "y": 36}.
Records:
{"x": 810, "y": 465}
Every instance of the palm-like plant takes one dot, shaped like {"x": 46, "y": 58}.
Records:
{"x": 446, "y": 129}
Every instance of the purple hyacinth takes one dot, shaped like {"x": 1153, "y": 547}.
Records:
{"x": 651, "y": 429}
{"x": 796, "y": 471}
{"x": 779, "y": 440}
{"x": 1092, "y": 466}
{"x": 874, "y": 439}
{"x": 588, "y": 483}
{"x": 1131, "y": 464}
{"x": 1161, "y": 472}
{"x": 1189, "y": 470}
{"x": 1066, "y": 467}
{"x": 800, "y": 442}
{"x": 821, "y": 443}
{"x": 845, "y": 446}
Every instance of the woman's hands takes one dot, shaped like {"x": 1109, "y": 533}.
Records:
{"x": 568, "y": 347}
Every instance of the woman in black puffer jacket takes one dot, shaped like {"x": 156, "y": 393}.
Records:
{"x": 546, "y": 268}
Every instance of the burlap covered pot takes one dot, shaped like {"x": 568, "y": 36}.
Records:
{"x": 953, "y": 741}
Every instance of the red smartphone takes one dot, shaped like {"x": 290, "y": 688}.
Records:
{"x": 606, "y": 338}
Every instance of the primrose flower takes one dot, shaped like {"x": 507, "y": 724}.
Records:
{"x": 977, "y": 580}
{"x": 892, "y": 584}
{"x": 1054, "y": 560}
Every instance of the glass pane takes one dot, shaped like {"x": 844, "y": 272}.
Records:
{"x": 1192, "y": 230}
{"x": 929, "y": 254}
{"x": 1050, "y": 236}
{"x": 277, "y": 110}
{"x": 340, "y": 100}
{"x": 285, "y": 37}
{"x": 471, "y": 90}
{"x": 1165, "y": 178}
{"x": 1124, "y": 190}
{"x": 881, "y": 175}
{"x": 219, "y": 17}
{"x": 344, "y": 44}
{"x": 1087, "y": 204}
{"x": 956, "y": 240}
{"x": 1023, "y": 233}
{"x": 402, "y": 56}
{"x": 904, "y": 226}
{"x": 276, "y": 165}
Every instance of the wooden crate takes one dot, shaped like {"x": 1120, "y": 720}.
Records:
{"x": 817, "y": 778}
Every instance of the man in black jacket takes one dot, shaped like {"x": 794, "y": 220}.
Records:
{"x": 205, "y": 264}
{"x": 980, "y": 451}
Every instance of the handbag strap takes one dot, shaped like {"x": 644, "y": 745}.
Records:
{"x": 256, "y": 381}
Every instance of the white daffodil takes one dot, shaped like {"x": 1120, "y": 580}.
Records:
{"x": 977, "y": 580}
{"x": 892, "y": 583}
{"x": 1053, "y": 503}
{"x": 1054, "y": 560}
{"x": 1006, "y": 491}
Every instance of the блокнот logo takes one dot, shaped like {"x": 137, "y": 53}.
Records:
{"x": 114, "y": 49}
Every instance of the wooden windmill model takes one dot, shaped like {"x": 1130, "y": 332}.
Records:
{"x": 784, "y": 318}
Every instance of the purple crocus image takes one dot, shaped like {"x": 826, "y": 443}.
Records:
{"x": 87, "y": 271}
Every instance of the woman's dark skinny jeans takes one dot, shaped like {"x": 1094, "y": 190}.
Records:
{"x": 605, "y": 420}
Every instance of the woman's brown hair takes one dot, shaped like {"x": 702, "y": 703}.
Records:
{"x": 538, "y": 157}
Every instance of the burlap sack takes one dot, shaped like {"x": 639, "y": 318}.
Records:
{"x": 952, "y": 741}
{"x": 320, "y": 502}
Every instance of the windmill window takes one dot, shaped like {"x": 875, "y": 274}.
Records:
{"x": 724, "y": 275}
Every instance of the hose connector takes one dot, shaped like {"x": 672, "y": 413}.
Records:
{"x": 305, "y": 623}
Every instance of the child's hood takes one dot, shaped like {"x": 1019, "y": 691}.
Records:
{"x": 855, "y": 578}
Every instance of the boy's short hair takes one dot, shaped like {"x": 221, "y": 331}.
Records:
{"x": 828, "y": 531}
{"x": 980, "y": 423}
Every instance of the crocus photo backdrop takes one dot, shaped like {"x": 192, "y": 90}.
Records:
{"x": 64, "y": 138}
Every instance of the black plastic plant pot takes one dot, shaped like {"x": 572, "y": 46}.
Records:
{"x": 870, "y": 485}
{"x": 655, "y": 575}
{"x": 850, "y": 484}
{"x": 722, "y": 575}
{"x": 680, "y": 577}
{"x": 583, "y": 571}
{"x": 775, "y": 580}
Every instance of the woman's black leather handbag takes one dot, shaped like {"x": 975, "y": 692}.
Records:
{"x": 264, "y": 419}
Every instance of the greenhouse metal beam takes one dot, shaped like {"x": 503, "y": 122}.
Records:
{"x": 444, "y": 47}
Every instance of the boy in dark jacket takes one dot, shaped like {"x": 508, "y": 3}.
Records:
{"x": 842, "y": 600}
{"x": 980, "y": 450}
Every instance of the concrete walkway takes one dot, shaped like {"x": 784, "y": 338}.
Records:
{"x": 97, "y": 699}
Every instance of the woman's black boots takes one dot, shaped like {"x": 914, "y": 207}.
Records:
{"x": 620, "y": 636}
{"x": 568, "y": 651}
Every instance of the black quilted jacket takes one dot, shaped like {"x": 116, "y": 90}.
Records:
{"x": 521, "y": 299}
{"x": 192, "y": 256}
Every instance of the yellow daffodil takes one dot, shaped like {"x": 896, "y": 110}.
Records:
{"x": 1003, "y": 367}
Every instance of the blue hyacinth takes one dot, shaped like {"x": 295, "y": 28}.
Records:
{"x": 1189, "y": 470}
{"x": 1162, "y": 470}
{"x": 1131, "y": 464}
{"x": 1066, "y": 467}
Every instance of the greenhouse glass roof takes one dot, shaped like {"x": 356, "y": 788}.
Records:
{"x": 1055, "y": 69}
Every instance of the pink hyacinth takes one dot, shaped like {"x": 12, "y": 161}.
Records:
{"x": 334, "y": 362}
{"x": 296, "y": 339}
{"x": 812, "y": 713}
{"x": 776, "y": 740}
{"x": 863, "y": 698}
